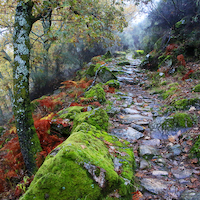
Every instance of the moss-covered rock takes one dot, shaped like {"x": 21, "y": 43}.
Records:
{"x": 169, "y": 92}
{"x": 104, "y": 75}
{"x": 86, "y": 166}
{"x": 177, "y": 120}
{"x": 91, "y": 70}
{"x": 107, "y": 55}
{"x": 97, "y": 93}
{"x": 195, "y": 150}
{"x": 196, "y": 88}
{"x": 70, "y": 113}
{"x": 113, "y": 83}
{"x": 96, "y": 117}
{"x": 183, "y": 104}
{"x": 123, "y": 63}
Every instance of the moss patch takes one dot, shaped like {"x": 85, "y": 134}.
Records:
{"x": 183, "y": 104}
{"x": 96, "y": 117}
{"x": 113, "y": 83}
{"x": 83, "y": 167}
{"x": 196, "y": 88}
{"x": 169, "y": 92}
{"x": 123, "y": 63}
{"x": 177, "y": 120}
{"x": 97, "y": 93}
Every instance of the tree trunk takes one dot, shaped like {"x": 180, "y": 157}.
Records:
{"x": 28, "y": 139}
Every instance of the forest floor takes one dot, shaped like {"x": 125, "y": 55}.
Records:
{"x": 165, "y": 169}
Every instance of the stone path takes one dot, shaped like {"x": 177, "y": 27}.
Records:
{"x": 162, "y": 169}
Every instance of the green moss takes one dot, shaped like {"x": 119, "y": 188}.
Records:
{"x": 123, "y": 63}
{"x": 108, "y": 60}
{"x": 195, "y": 150}
{"x": 107, "y": 55}
{"x": 177, "y": 120}
{"x": 71, "y": 171}
{"x": 97, "y": 117}
{"x": 186, "y": 103}
{"x": 113, "y": 83}
{"x": 97, "y": 93}
{"x": 90, "y": 70}
{"x": 70, "y": 112}
{"x": 163, "y": 83}
{"x": 169, "y": 92}
{"x": 196, "y": 88}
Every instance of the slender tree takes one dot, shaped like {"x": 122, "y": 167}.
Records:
{"x": 94, "y": 19}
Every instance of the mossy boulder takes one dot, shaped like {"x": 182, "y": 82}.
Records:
{"x": 104, "y": 75}
{"x": 96, "y": 117}
{"x": 85, "y": 166}
{"x": 196, "y": 88}
{"x": 107, "y": 55}
{"x": 177, "y": 120}
{"x": 183, "y": 104}
{"x": 97, "y": 93}
{"x": 113, "y": 83}
{"x": 91, "y": 70}
{"x": 123, "y": 63}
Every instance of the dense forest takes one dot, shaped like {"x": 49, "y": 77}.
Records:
{"x": 60, "y": 62}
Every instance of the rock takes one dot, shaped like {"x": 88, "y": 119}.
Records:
{"x": 190, "y": 195}
{"x": 130, "y": 111}
{"x": 82, "y": 168}
{"x": 123, "y": 63}
{"x": 155, "y": 186}
{"x": 159, "y": 173}
{"x": 176, "y": 149}
{"x": 113, "y": 83}
{"x": 137, "y": 117}
{"x": 126, "y": 80}
{"x": 148, "y": 151}
{"x": 153, "y": 142}
{"x": 144, "y": 164}
{"x": 129, "y": 133}
{"x": 138, "y": 127}
{"x": 113, "y": 111}
{"x": 105, "y": 75}
{"x": 181, "y": 172}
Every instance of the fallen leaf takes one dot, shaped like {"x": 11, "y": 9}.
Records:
{"x": 121, "y": 117}
{"x": 139, "y": 174}
{"x": 137, "y": 195}
{"x": 189, "y": 142}
{"x": 195, "y": 160}
{"x": 83, "y": 146}
{"x": 193, "y": 180}
{"x": 108, "y": 143}
{"x": 123, "y": 153}
{"x": 172, "y": 138}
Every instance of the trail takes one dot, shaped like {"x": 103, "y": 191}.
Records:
{"x": 164, "y": 170}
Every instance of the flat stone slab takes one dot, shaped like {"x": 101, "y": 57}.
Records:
{"x": 155, "y": 186}
{"x": 160, "y": 173}
{"x": 153, "y": 142}
{"x": 190, "y": 195}
{"x": 127, "y": 80}
{"x": 146, "y": 150}
{"x": 129, "y": 133}
{"x": 131, "y": 111}
{"x": 181, "y": 173}
{"x": 137, "y": 117}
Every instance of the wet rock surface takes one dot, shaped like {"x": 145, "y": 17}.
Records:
{"x": 164, "y": 170}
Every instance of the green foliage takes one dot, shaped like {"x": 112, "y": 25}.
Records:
{"x": 195, "y": 150}
{"x": 196, "y": 88}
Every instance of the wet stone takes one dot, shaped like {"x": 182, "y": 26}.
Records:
{"x": 130, "y": 111}
{"x": 129, "y": 133}
{"x": 137, "y": 117}
{"x": 138, "y": 127}
{"x": 153, "y": 142}
{"x": 159, "y": 173}
{"x": 181, "y": 173}
{"x": 148, "y": 151}
{"x": 155, "y": 186}
{"x": 144, "y": 164}
{"x": 190, "y": 195}
{"x": 176, "y": 149}
{"x": 127, "y": 80}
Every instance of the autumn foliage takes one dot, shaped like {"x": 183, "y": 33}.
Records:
{"x": 170, "y": 48}
{"x": 181, "y": 60}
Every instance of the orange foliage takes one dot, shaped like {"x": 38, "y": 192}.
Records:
{"x": 49, "y": 102}
{"x": 186, "y": 76}
{"x": 137, "y": 195}
{"x": 69, "y": 84}
{"x": 170, "y": 48}
{"x": 110, "y": 90}
{"x": 181, "y": 59}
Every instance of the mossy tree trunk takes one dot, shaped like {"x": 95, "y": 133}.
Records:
{"x": 28, "y": 139}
